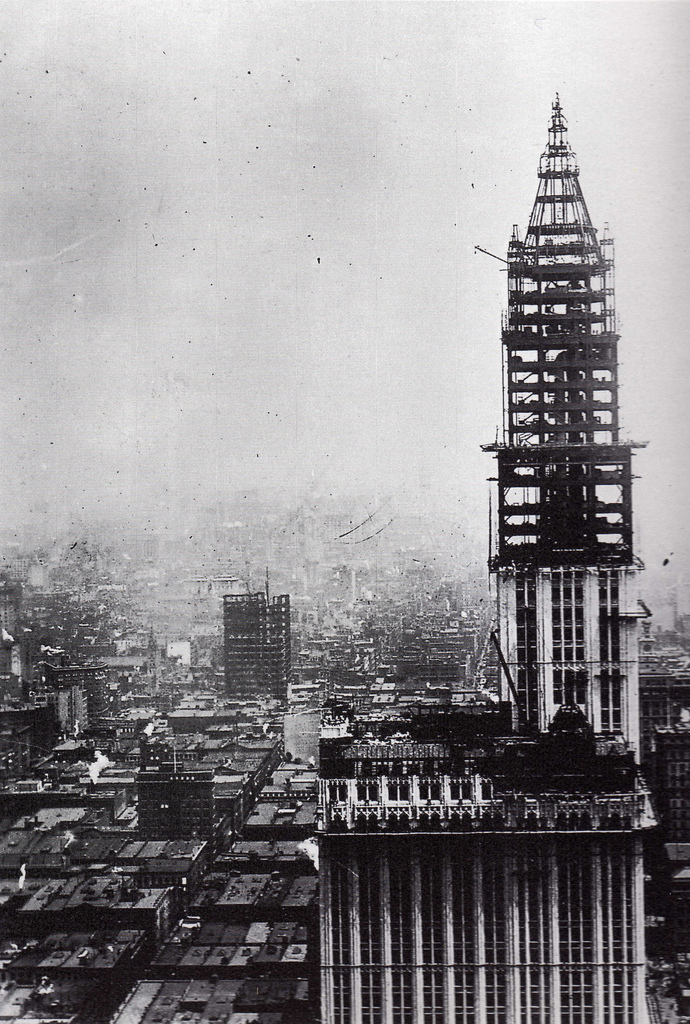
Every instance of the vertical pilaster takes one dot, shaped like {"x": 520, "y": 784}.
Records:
{"x": 448, "y": 939}
{"x": 544, "y": 648}
{"x": 608, "y": 908}
{"x": 418, "y": 960}
{"x": 326, "y": 934}
{"x": 626, "y": 872}
{"x": 592, "y": 649}
{"x": 598, "y": 933}
{"x": 638, "y": 952}
{"x": 512, "y": 913}
{"x": 386, "y": 970}
{"x": 353, "y": 921}
{"x": 554, "y": 940}
{"x": 480, "y": 987}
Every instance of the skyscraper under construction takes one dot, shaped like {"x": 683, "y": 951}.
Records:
{"x": 484, "y": 865}
{"x": 256, "y": 632}
{"x": 565, "y": 568}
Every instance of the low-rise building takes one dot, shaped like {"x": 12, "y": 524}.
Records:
{"x": 244, "y": 898}
{"x": 220, "y": 950}
{"x": 280, "y": 821}
{"x": 177, "y": 864}
{"x": 236, "y": 1001}
{"x": 28, "y": 796}
{"x": 265, "y": 855}
{"x": 74, "y": 904}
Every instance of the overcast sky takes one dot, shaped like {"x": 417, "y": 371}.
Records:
{"x": 237, "y": 239}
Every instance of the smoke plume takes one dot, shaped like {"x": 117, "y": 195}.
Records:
{"x": 310, "y": 849}
{"x": 97, "y": 766}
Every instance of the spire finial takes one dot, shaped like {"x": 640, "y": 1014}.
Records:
{"x": 558, "y": 122}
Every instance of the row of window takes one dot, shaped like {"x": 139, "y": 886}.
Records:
{"x": 576, "y": 999}
{"x": 401, "y": 790}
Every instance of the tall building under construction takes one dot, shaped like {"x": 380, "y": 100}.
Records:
{"x": 564, "y": 564}
{"x": 257, "y": 645}
{"x": 484, "y": 866}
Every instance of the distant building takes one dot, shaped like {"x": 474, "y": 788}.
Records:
{"x": 679, "y": 889}
{"x": 680, "y": 910}
{"x": 301, "y": 735}
{"x": 10, "y": 653}
{"x": 10, "y": 604}
{"x": 179, "y": 650}
{"x": 672, "y": 776}
{"x": 69, "y": 703}
{"x": 663, "y": 695}
{"x": 177, "y": 803}
{"x": 27, "y": 732}
{"x": 257, "y": 645}
{"x": 91, "y": 679}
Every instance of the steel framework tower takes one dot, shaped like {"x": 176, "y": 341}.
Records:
{"x": 484, "y": 866}
{"x": 565, "y": 568}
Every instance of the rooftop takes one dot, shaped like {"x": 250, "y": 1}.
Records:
{"x": 101, "y": 891}
{"x": 213, "y": 1000}
{"x": 97, "y": 950}
{"x": 261, "y": 890}
{"x": 268, "y": 813}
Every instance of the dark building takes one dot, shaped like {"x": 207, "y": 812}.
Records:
{"x": 10, "y": 604}
{"x": 257, "y": 645}
{"x": 672, "y": 779}
{"x": 177, "y": 802}
{"x": 91, "y": 679}
{"x": 11, "y": 666}
{"x": 238, "y": 771}
{"x": 487, "y": 868}
{"x": 680, "y": 909}
{"x": 676, "y": 899}
{"x": 663, "y": 696}
{"x": 27, "y": 731}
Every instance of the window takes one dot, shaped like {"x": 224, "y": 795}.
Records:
{"x": 398, "y": 790}
{"x": 367, "y": 791}
{"x": 429, "y": 790}
{"x": 338, "y": 791}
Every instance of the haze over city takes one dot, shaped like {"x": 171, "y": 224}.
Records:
{"x": 238, "y": 244}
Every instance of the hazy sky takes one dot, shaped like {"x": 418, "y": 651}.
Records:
{"x": 237, "y": 239}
